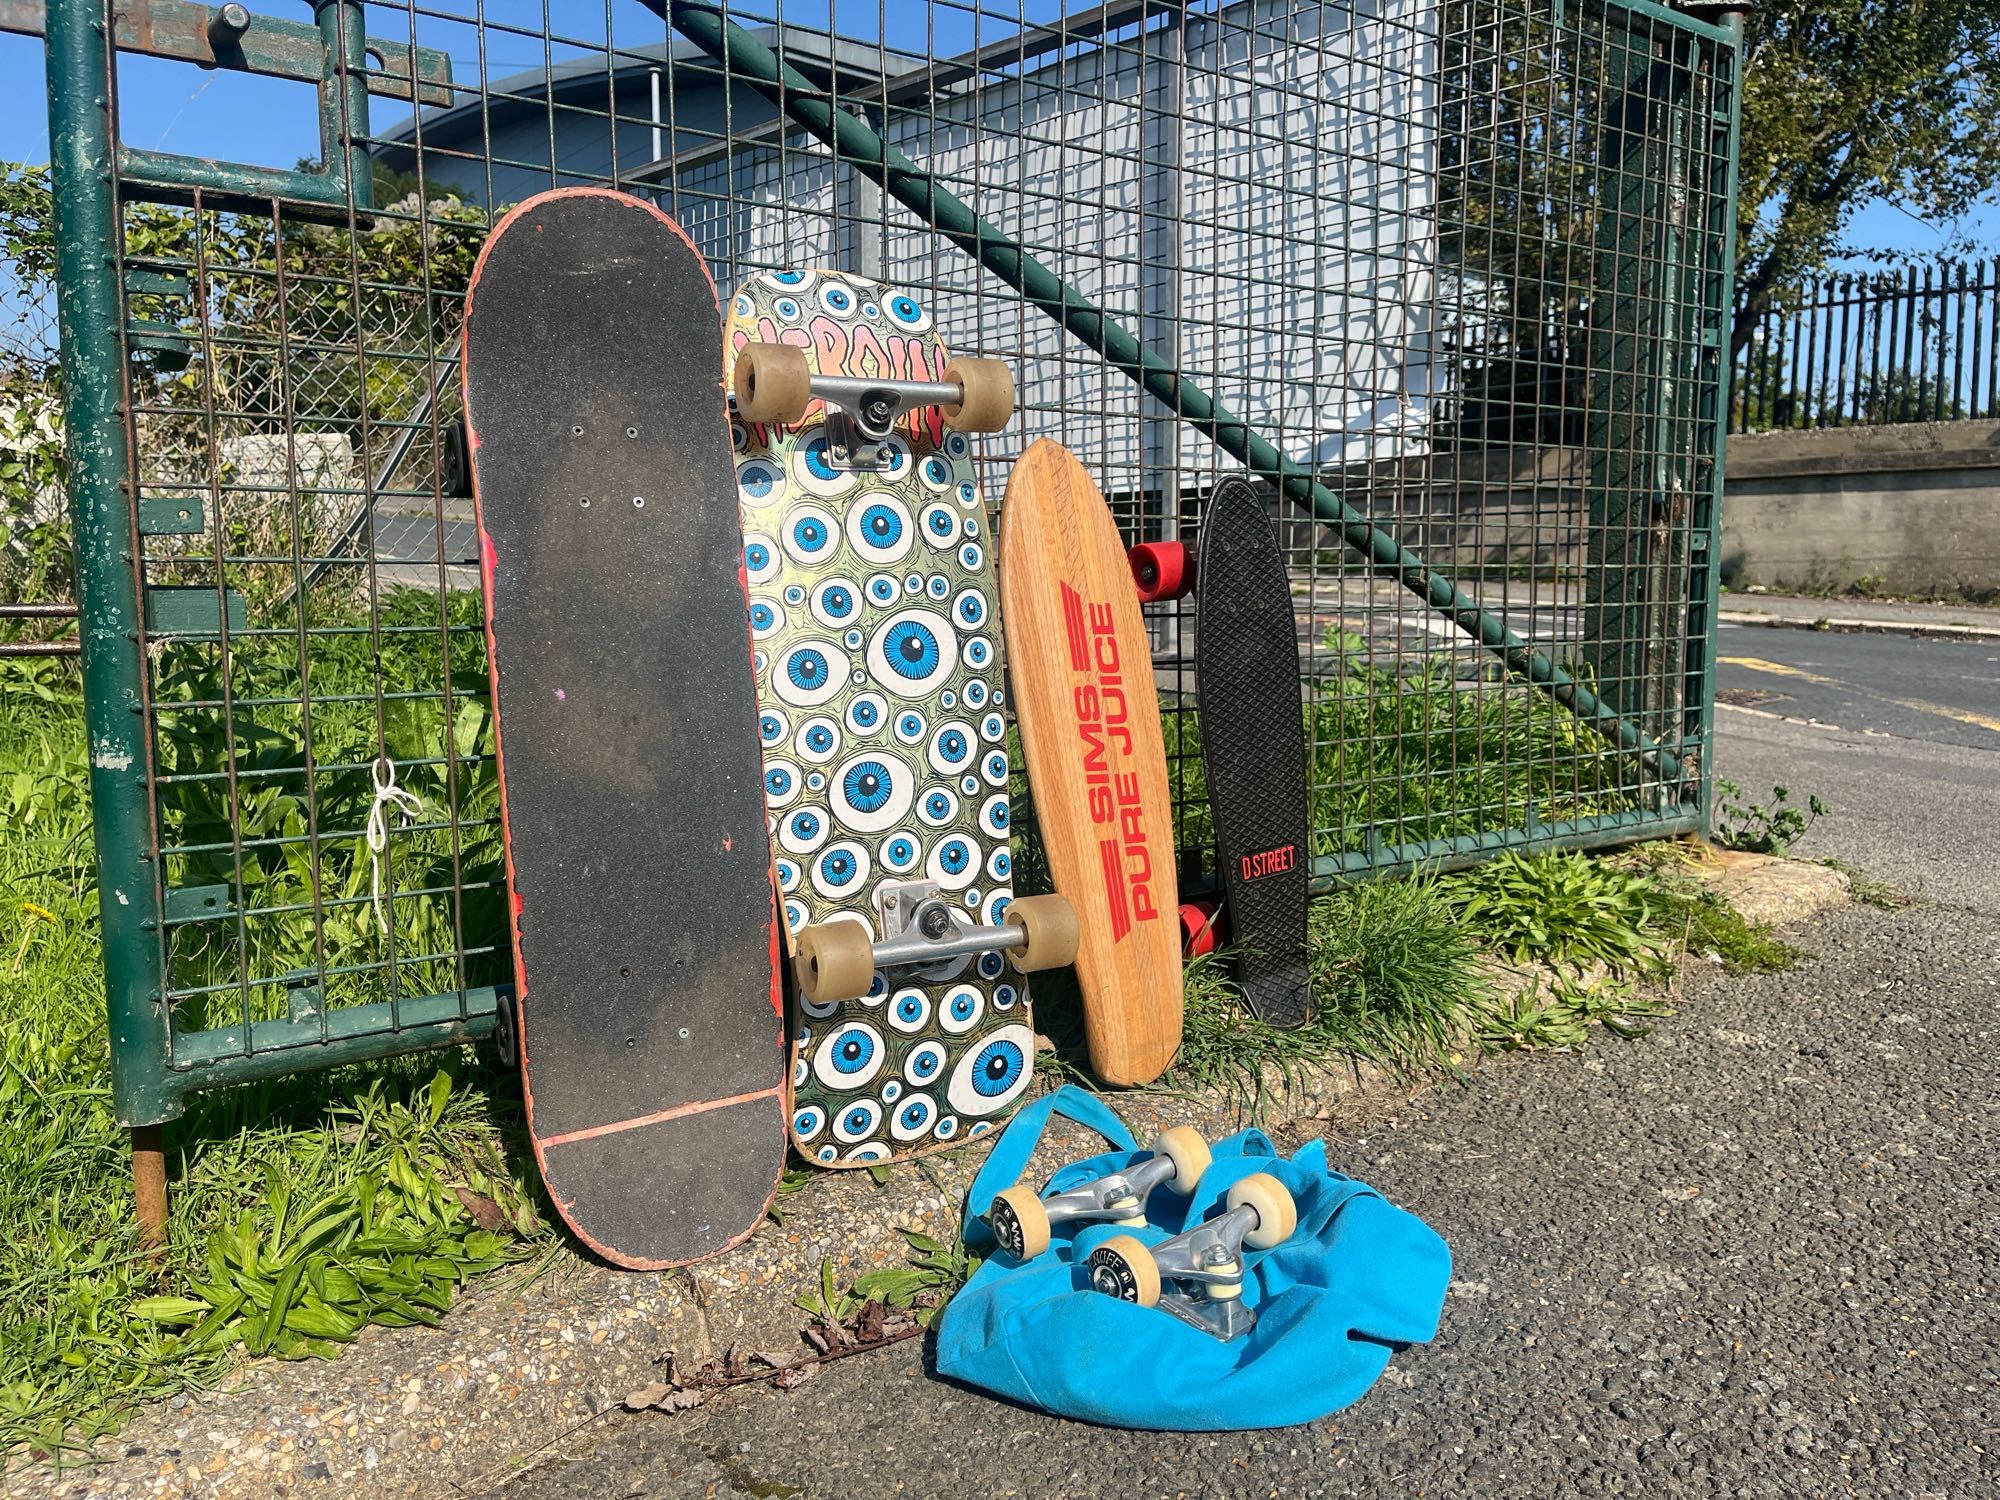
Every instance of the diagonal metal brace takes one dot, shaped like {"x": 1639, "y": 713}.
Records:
{"x": 863, "y": 147}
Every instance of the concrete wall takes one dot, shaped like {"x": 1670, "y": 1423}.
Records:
{"x": 1913, "y": 509}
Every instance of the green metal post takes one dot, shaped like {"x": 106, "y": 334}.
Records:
{"x": 81, "y": 142}
{"x": 916, "y": 189}
{"x": 343, "y": 101}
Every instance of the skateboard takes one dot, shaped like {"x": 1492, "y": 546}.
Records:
{"x": 1252, "y": 741}
{"x": 1082, "y": 672}
{"x": 872, "y": 604}
{"x": 646, "y": 1012}
{"x": 1023, "y": 1221}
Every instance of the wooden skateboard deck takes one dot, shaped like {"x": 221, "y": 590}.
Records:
{"x": 1253, "y": 748}
{"x": 885, "y": 746}
{"x": 1082, "y": 673}
{"x": 647, "y": 994}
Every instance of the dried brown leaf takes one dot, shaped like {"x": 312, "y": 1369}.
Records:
{"x": 487, "y": 1214}
{"x": 647, "y": 1395}
{"x": 793, "y": 1376}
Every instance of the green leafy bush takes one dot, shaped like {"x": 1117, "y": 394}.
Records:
{"x": 1563, "y": 909}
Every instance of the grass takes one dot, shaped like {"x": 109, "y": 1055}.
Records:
{"x": 302, "y": 1209}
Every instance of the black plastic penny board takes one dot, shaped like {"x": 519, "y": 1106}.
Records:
{"x": 1253, "y": 748}
{"x": 638, "y": 863}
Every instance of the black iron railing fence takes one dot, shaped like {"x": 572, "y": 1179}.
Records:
{"x": 1854, "y": 348}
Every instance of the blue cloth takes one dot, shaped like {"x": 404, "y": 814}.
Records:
{"x": 1359, "y": 1279}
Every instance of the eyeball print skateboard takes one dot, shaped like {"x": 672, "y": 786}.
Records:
{"x": 874, "y": 617}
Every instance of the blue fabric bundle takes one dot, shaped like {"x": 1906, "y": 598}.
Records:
{"x": 1359, "y": 1279}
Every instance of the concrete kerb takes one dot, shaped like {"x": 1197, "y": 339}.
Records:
{"x": 524, "y": 1361}
{"x": 1847, "y": 624}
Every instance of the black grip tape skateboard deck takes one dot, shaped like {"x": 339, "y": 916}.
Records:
{"x": 647, "y": 1000}
{"x": 1253, "y": 748}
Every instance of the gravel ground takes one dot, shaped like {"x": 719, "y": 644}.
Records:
{"x": 1754, "y": 1255}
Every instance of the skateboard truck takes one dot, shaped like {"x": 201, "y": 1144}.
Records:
{"x": 1021, "y": 1219}
{"x": 1204, "y": 1264}
{"x": 837, "y": 961}
{"x": 774, "y": 383}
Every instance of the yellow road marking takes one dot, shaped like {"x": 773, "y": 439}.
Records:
{"x": 1964, "y": 716}
{"x": 1779, "y": 669}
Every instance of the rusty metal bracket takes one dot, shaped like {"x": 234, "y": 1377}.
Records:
{"x": 230, "y": 36}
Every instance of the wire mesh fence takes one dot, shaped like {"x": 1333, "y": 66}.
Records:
{"x": 1865, "y": 348}
{"x": 1449, "y": 276}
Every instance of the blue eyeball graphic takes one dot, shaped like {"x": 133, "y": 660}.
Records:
{"x": 909, "y": 1009}
{"x": 956, "y": 445}
{"x": 840, "y": 869}
{"x": 868, "y": 1154}
{"x": 961, "y": 1009}
{"x": 975, "y": 693}
{"x": 996, "y": 906}
{"x": 794, "y": 594}
{"x": 880, "y": 530}
{"x": 947, "y": 1128}
{"x": 883, "y": 589}
{"x": 913, "y": 652}
{"x": 849, "y": 1056}
{"x": 967, "y": 495}
{"x": 992, "y": 1074}
{"x": 867, "y": 713}
{"x": 810, "y": 535}
{"x": 899, "y": 854}
{"x": 999, "y": 865}
{"x": 892, "y": 1091}
{"x": 787, "y": 309}
{"x": 954, "y": 863}
{"x": 857, "y": 1120}
{"x": 788, "y": 875}
{"x": 835, "y": 603}
{"x": 971, "y": 899}
{"x": 996, "y": 816}
{"x": 938, "y": 806}
{"x": 794, "y": 279}
{"x": 913, "y": 1117}
{"x": 801, "y": 1071}
{"x": 938, "y": 586}
{"x": 827, "y": 1154}
{"x": 952, "y": 748}
{"x": 991, "y": 965}
{"x": 994, "y": 767}
{"x": 978, "y": 651}
{"x": 971, "y": 557}
{"x": 1005, "y": 996}
{"x": 781, "y": 783}
{"x": 852, "y": 641}
{"x": 760, "y": 558}
{"x": 808, "y": 1122}
{"x": 815, "y": 781}
{"x": 947, "y": 699}
{"x": 913, "y": 583}
{"x": 838, "y": 300}
{"x": 969, "y": 609}
{"x": 936, "y": 473}
{"x": 871, "y": 794}
{"x": 795, "y": 915}
{"x": 810, "y": 672}
{"x": 993, "y": 728}
{"x": 939, "y": 525}
{"x": 969, "y": 785}
{"x": 817, "y": 740}
{"x": 910, "y": 726}
{"x": 815, "y": 472}
{"x": 907, "y": 313}
{"x": 803, "y": 830}
{"x": 925, "y": 1063}
{"x": 759, "y": 481}
{"x": 770, "y": 729}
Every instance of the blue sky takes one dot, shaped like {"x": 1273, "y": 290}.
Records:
{"x": 170, "y": 106}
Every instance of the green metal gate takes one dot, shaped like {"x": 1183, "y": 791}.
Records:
{"x": 1450, "y": 276}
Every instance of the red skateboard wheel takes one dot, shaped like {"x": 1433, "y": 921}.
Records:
{"x": 1198, "y": 927}
{"x": 1161, "y": 570}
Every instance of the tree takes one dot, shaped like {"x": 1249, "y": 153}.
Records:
{"x": 1848, "y": 101}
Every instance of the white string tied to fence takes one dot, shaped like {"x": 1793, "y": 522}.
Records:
{"x": 409, "y": 804}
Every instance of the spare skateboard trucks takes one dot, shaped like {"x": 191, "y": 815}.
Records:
{"x": 1021, "y": 1220}
{"x": 1203, "y": 1264}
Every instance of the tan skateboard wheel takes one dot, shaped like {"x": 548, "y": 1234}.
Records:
{"x": 1019, "y": 1221}
{"x": 1277, "y": 1214}
{"x": 1124, "y": 1268}
{"x": 986, "y": 394}
{"x": 1050, "y": 923}
{"x": 773, "y": 383}
{"x": 1183, "y": 1146}
{"x": 833, "y": 961}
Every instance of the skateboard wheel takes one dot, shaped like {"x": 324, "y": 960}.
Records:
{"x": 1277, "y": 1215}
{"x": 773, "y": 383}
{"x": 986, "y": 394}
{"x": 1020, "y": 1222}
{"x": 1050, "y": 923}
{"x": 1198, "y": 925}
{"x": 1184, "y": 1147}
{"x": 1160, "y": 570}
{"x": 833, "y": 961}
{"x": 506, "y": 1036}
{"x": 454, "y": 463}
{"x": 1124, "y": 1268}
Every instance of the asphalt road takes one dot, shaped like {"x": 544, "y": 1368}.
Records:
{"x": 1753, "y": 1255}
{"x": 1899, "y": 736}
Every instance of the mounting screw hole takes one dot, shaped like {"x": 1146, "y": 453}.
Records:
{"x": 631, "y": 432}
{"x": 638, "y": 502}
{"x": 584, "y": 501}
{"x": 576, "y": 430}
{"x": 684, "y": 1033}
